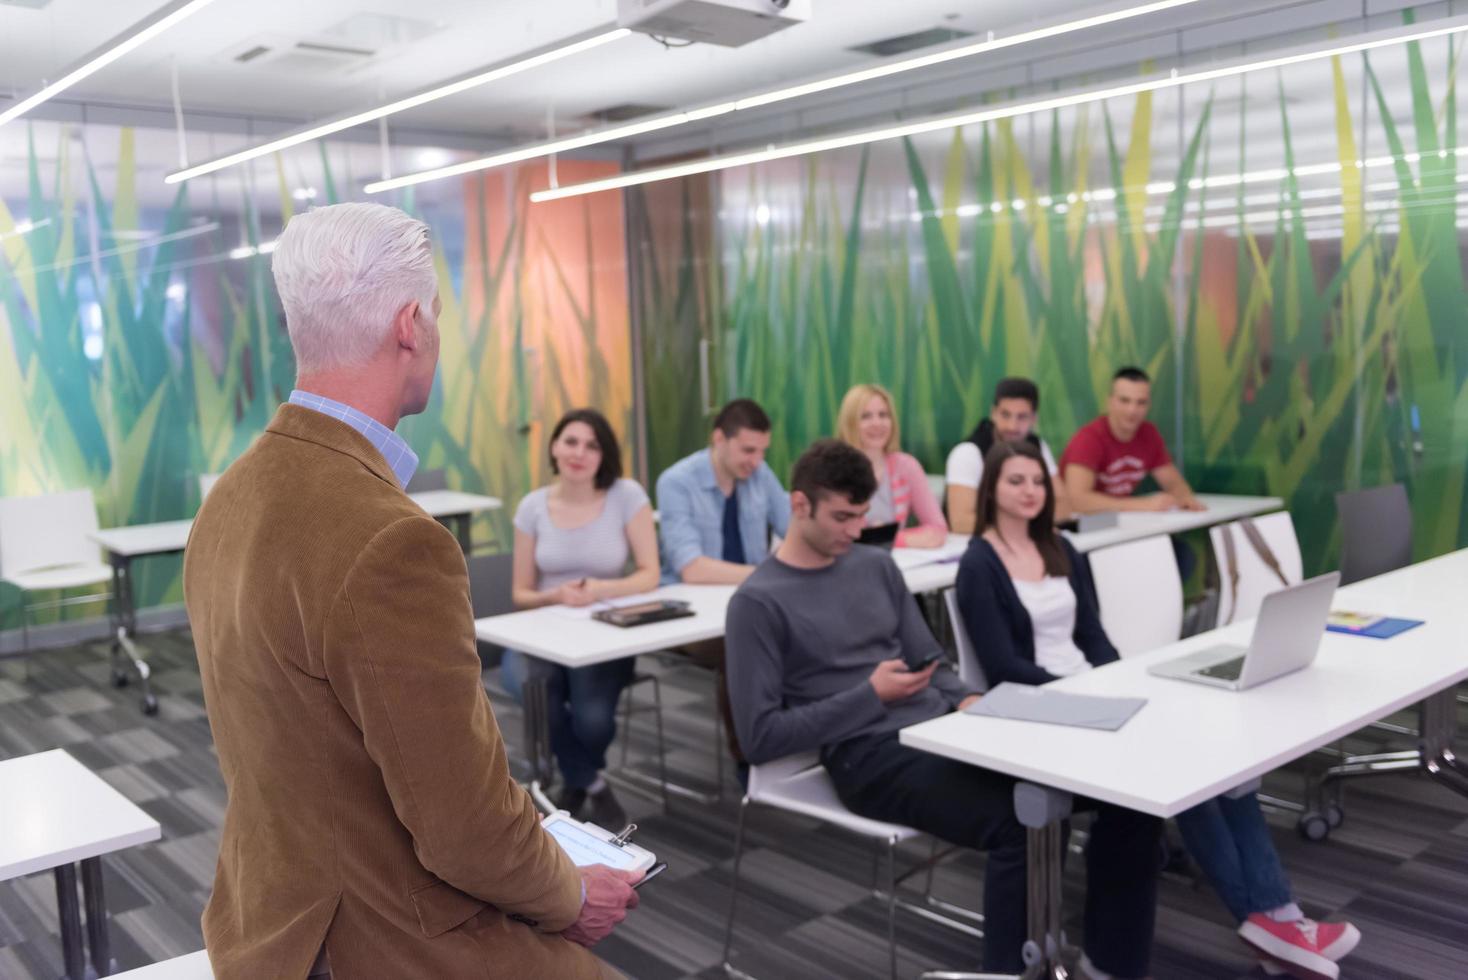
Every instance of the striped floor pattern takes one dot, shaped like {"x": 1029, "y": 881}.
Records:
{"x": 1398, "y": 867}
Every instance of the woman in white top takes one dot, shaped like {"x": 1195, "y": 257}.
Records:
{"x": 1030, "y": 607}
{"x": 573, "y": 542}
{"x": 1011, "y": 419}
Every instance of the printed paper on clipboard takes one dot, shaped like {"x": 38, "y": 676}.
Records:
{"x": 588, "y": 844}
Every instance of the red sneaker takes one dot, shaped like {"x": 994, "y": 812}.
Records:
{"x": 1305, "y": 949}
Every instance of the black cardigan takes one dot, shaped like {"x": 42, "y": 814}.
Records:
{"x": 1000, "y": 627}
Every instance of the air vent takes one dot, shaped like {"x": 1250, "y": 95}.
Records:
{"x": 299, "y": 56}
{"x": 624, "y": 112}
{"x": 903, "y": 43}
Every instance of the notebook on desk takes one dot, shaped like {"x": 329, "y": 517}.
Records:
{"x": 1021, "y": 702}
{"x": 1367, "y": 624}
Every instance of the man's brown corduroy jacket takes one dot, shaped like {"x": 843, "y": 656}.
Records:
{"x": 370, "y": 802}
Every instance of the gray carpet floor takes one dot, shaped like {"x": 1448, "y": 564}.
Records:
{"x": 1398, "y": 867}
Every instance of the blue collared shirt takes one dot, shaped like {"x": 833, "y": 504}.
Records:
{"x": 402, "y": 460}
{"x": 691, "y": 512}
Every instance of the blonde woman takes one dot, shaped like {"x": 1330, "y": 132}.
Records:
{"x": 868, "y": 421}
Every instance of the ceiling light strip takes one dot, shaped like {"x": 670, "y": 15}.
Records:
{"x": 475, "y": 79}
{"x": 139, "y": 34}
{"x": 1173, "y": 79}
{"x": 668, "y": 120}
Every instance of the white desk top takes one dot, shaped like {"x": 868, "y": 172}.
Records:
{"x": 448, "y": 503}
{"x": 933, "y": 569}
{"x": 1135, "y": 525}
{"x": 571, "y": 638}
{"x": 194, "y": 966}
{"x": 1192, "y": 742}
{"x": 561, "y": 636}
{"x": 139, "y": 540}
{"x": 144, "y": 539}
{"x": 55, "y": 811}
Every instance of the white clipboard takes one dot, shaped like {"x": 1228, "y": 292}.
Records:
{"x": 587, "y": 844}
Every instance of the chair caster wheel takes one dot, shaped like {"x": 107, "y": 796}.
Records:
{"x": 119, "y": 678}
{"x": 1334, "y": 815}
{"x": 1313, "y": 826}
{"x": 150, "y": 705}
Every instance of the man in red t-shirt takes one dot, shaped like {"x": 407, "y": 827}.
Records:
{"x": 1109, "y": 456}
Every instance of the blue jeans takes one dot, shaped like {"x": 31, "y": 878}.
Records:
{"x": 1230, "y": 841}
{"x": 582, "y": 708}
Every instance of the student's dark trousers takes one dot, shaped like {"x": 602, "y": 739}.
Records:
{"x": 878, "y": 778}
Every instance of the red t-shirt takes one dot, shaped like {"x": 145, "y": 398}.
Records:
{"x": 1119, "y": 466}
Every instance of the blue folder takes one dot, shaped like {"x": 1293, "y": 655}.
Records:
{"x": 1382, "y": 629}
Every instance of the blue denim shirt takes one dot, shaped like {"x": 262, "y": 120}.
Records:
{"x": 691, "y": 513}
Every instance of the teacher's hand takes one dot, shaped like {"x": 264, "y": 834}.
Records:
{"x": 609, "y": 896}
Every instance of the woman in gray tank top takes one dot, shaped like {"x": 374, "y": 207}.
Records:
{"x": 574, "y": 542}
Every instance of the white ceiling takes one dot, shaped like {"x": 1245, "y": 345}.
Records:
{"x": 464, "y": 34}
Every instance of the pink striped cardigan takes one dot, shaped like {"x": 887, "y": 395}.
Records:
{"x": 911, "y": 494}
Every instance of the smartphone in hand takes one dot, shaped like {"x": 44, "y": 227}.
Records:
{"x": 916, "y": 664}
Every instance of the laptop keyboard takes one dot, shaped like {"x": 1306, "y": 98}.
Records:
{"x": 1229, "y": 670}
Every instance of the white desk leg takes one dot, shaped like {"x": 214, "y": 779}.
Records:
{"x": 96, "y": 902}
{"x": 69, "y": 916}
{"x": 125, "y": 626}
{"x": 1439, "y": 729}
{"x": 537, "y": 738}
{"x": 1043, "y": 812}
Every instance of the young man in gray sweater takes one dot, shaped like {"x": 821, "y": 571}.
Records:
{"x": 823, "y": 639}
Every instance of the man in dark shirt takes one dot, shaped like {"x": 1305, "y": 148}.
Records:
{"x": 821, "y": 639}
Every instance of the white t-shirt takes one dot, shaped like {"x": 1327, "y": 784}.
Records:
{"x": 966, "y": 464}
{"x": 1051, "y": 603}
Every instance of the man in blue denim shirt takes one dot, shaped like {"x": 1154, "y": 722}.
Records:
{"x": 718, "y": 507}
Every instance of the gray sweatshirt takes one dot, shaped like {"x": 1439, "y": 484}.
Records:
{"x": 802, "y": 643}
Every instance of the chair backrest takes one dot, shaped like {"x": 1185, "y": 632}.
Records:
{"x": 1140, "y": 592}
{"x": 47, "y": 531}
{"x": 970, "y": 671}
{"x": 425, "y": 480}
{"x": 1376, "y": 531}
{"x": 767, "y": 775}
{"x": 206, "y": 483}
{"x": 1246, "y": 578}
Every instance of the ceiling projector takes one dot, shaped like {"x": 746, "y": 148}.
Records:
{"x": 727, "y": 23}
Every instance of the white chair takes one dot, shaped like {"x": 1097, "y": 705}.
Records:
{"x": 938, "y": 483}
{"x": 970, "y": 671}
{"x": 1247, "y": 573}
{"x": 44, "y": 547}
{"x": 206, "y": 483}
{"x": 799, "y": 784}
{"x": 1141, "y": 594}
{"x": 192, "y": 966}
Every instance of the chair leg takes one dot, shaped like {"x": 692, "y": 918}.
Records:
{"x": 892, "y": 904}
{"x": 626, "y": 732}
{"x": 25, "y": 637}
{"x": 657, "y": 702}
{"x": 718, "y": 739}
{"x": 734, "y": 885}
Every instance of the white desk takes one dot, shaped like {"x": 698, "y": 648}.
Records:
{"x": 55, "y": 812}
{"x": 570, "y": 638}
{"x": 934, "y": 569}
{"x": 1135, "y": 525}
{"x": 456, "y": 509}
{"x": 193, "y": 966}
{"x": 1192, "y": 742}
{"x": 124, "y": 545}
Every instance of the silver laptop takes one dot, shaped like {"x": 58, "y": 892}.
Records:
{"x": 1286, "y": 638}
